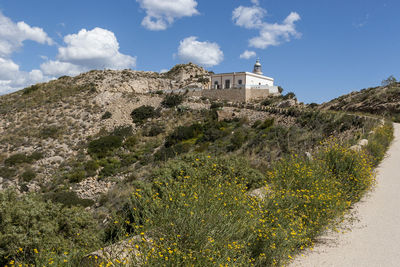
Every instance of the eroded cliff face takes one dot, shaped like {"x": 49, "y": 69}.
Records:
{"x": 129, "y": 81}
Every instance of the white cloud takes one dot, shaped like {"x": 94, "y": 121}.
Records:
{"x": 270, "y": 34}
{"x": 161, "y": 13}
{"x": 248, "y": 54}
{"x": 12, "y": 35}
{"x": 97, "y": 48}
{"x": 202, "y": 53}
{"x": 57, "y": 68}
{"x": 12, "y": 78}
{"x": 248, "y": 17}
{"x": 86, "y": 50}
{"x": 275, "y": 34}
{"x": 255, "y": 2}
{"x": 164, "y": 70}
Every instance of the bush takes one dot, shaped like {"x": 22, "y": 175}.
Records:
{"x": 28, "y": 175}
{"x": 131, "y": 142}
{"x": 76, "y": 176}
{"x": 36, "y": 155}
{"x": 102, "y": 147}
{"x": 154, "y": 130}
{"x": 267, "y": 124}
{"x": 216, "y": 105}
{"x": 17, "y": 159}
{"x": 289, "y": 95}
{"x": 123, "y": 131}
{"x": 106, "y": 115}
{"x": 68, "y": 199}
{"x": 166, "y": 153}
{"x": 7, "y": 173}
{"x": 171, "y": 101}
{"x": 31, "y": 89}
{"x": 140, "y": 114}
{"x": 237, "y": 140}
{"x": 49, "y": 132}
{"x": 110, "y": 168}
{"x": 379, "y": 143}
{"x": 183, "y": 133}
{"x": 91, "y": 168}
{"x": 37, "y": 232}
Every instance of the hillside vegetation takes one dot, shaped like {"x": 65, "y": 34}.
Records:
{"x": 184, "y": 180}
{"x": 382, "y": 100}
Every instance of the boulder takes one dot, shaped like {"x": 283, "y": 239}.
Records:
{"x": 356, "y": 148}
{"x": 363, "y": 142}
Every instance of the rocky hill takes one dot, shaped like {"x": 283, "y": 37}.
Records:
{"x": 382, "y": 100}
{"x": 83, "y": 159}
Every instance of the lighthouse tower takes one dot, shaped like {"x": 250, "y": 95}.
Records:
{"x": 257, "y": 67}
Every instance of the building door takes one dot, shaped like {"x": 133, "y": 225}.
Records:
{"x": 216, "y": 86}
{"x": 227, "y": 84}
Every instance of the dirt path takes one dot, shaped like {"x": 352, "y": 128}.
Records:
{"x": 375, "y": 238}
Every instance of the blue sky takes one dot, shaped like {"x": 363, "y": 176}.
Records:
{"x": 318, "y": 49}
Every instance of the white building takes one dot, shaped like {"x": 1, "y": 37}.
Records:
{"x": 244, "y": 80}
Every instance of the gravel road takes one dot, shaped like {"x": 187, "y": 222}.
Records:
{"x": 374, "y": 240}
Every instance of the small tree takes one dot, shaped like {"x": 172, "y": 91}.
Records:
{"x": 391, "y": 80}
{"x": 171, "y": 101}
{"x": 140, "y": 114}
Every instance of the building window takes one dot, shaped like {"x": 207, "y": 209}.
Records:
{"x": 259, "y": 83}
{"x": 240, "y": 82}
{"x": 216, "y": 86}
{"x": 227, "y": 84}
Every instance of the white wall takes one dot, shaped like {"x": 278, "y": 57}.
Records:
{"x": 253, "y": 80}
{"x": 233, "y": 78}
{"x": 247, "y": 78}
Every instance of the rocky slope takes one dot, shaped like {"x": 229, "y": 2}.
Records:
{"x": 45, "y": 128}
{"x": 383, "y": 100}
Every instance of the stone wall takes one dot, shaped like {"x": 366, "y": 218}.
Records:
{"x": 234, "y": 95}
{"x": 256, "y": 93}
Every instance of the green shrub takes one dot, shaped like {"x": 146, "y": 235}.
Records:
{"x": 267, "y": 123}
{"x": 110, "y": 168}
{"x": 237, "y": 140}
{"x": 131, "y": 142}
{"x": 379, "y": 143}
{"x": 106, "y": 115}
{"x": 101, "y": 147}
{"x": 36, "y": 155}
{"x": 216, "y": 105}
{"x": 7, "y": 173}
{"x": 171, "y": 101}
{"x": 33, "y": 225}
{"x": 154, "y": 130}
{"x": 289, "y": 95}
{"x": 166, "y": 153}
{"x": 183, "y": 133}
{"x": 123, "y": 131}
{"x": 142, "y": 113}
{"x": 91, "y": 168}
{"x": 68, "y": 199}
{"x": 76, "y": 176}
{"x": 49, "y": 132}
{"x": 28, "y": 175}
{"x": 31, "y": 89}
{"x": 17, "y": 159}
{"x": 267, "y": 102}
